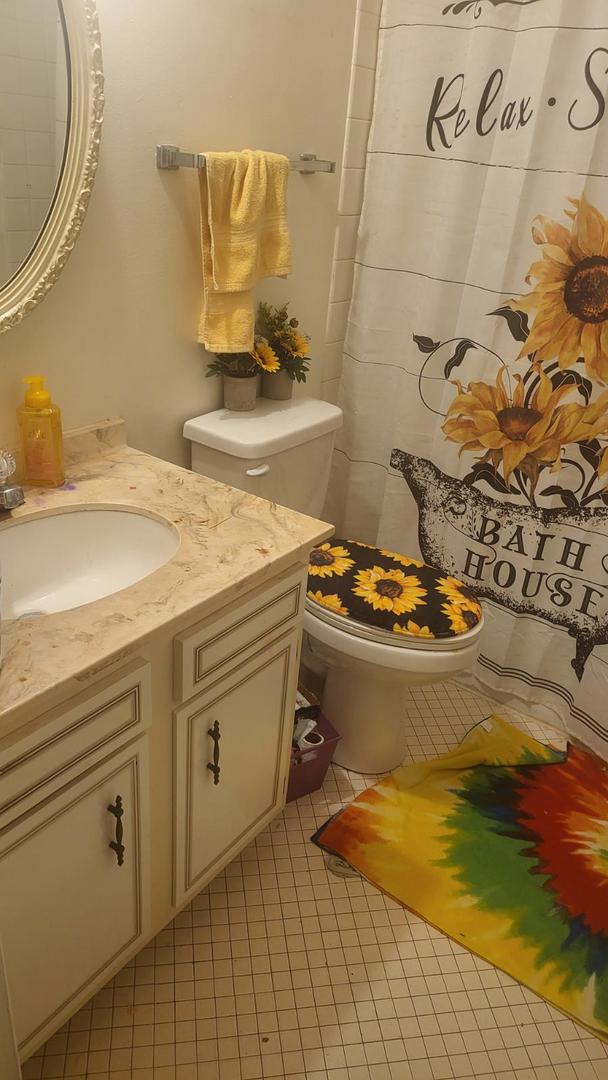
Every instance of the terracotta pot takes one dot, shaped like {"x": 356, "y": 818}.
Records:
{"x": 239, "y": 394}
{"x": 277, "y": 387}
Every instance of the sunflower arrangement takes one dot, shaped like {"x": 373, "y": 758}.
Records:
{"x": 236, "y": 365}
{"x": 279, "y": 343}
{"x": 278, "y": 346}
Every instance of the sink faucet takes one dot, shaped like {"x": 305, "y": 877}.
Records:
{"x": 11, "y": 494}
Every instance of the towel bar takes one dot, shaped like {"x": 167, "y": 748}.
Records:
{"x": 171, "y": 157}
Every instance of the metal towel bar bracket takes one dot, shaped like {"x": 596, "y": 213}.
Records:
{"x": 171, "y": 157}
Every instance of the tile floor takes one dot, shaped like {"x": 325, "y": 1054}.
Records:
{"x": 281, "y": 969}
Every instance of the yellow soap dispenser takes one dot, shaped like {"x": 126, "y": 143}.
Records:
{"x": 41, "y": 435}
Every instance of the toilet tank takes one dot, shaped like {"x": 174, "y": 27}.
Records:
{"x": 280, "y": 451}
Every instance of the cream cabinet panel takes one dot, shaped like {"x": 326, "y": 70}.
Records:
{"x": 225, "y": 640}
{"x": 232, "y": 753}
{"x": 70, "y": 903}
{"x": 9, "y": 1058}
{"x": 73, "y": 737}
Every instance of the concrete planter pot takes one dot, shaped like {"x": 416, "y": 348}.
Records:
{"x": 240, "y": 394}
{"x": 277, "y": 387}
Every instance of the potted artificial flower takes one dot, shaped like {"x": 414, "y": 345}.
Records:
{"x": 239, "y": 371}
{"x": 280, "y": 350}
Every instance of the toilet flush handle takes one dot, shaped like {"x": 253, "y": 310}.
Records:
{"x": 258, "y": 470}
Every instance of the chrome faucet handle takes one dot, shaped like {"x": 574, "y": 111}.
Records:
{"x": 8, "y": 465}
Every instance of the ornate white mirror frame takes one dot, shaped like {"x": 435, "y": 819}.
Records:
{"x": 56, "y": 241}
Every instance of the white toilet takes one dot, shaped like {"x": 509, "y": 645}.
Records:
{"x": 282, "y": 452}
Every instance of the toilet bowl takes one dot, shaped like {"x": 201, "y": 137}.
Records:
{"x": 379, "y": 621}
{"x": 364, "y": 683}
{"x": 371, "y": 641}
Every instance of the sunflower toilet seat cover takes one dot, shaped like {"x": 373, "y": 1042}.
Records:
{"x": 388, "y": 591}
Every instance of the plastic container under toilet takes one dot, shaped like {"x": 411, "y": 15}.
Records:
{"x": 309, "y": 767}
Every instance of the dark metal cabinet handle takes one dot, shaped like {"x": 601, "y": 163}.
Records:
{"x": 214, "y": 732}
{"x": 117, "y": 844}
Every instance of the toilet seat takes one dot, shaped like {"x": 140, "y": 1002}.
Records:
{"x": 422, "y": 662}
{"x": 386, "y": 638}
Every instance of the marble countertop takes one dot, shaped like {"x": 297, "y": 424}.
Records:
{"x": 230, "y": 542}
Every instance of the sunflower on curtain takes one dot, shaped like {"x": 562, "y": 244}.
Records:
{"x": 524, "y": 425}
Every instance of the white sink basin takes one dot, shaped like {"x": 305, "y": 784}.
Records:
{"x": 62, "y": 560}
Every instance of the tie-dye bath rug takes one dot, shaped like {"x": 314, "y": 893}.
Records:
{"x": 503, "y": 845}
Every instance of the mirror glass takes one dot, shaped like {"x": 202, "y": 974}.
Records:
{"x": 34, "y": 123}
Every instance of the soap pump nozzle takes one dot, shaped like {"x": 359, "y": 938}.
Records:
{"x": 36, "y": 396}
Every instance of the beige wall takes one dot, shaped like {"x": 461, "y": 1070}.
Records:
{"x": 117, "y": 333}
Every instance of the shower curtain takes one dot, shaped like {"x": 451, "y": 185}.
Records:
{"x": 475, "y": 385}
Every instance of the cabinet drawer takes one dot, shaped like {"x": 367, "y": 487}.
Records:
{"x": 71, "y": 903}
{"x": 210, "y": 646}
{"x": 37, "y": 763}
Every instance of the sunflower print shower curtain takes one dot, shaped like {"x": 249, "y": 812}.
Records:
{"x": 475, "y": 381}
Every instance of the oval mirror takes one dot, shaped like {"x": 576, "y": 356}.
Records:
{"x": 51, "y": 102}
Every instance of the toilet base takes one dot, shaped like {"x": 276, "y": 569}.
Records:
{"x": 369, "y": 715}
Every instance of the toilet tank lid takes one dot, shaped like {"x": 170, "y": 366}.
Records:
{"x": 271, "y": 427}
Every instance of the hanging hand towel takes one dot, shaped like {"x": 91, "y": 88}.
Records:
{"x": 244, "y": 237}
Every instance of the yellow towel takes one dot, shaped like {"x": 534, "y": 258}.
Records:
{"x": 244, "y": 238}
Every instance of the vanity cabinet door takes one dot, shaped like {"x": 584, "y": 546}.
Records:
{"x": 232, "y": 756}
{"x": 70, "y": 904}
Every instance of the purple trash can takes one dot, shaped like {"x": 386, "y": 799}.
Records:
{"x": 309, "y": 767}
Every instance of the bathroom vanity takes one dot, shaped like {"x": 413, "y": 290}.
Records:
{"x": 144, "y": 736}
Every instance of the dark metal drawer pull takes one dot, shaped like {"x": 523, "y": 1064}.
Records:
{"x": 214, "y": 732}
{"x": 117, "y": 844}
